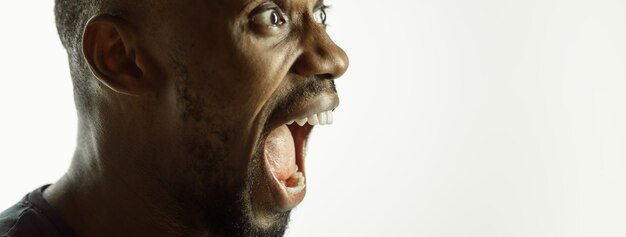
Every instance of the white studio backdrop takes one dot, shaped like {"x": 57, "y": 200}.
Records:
{"x": 481, "y": 118}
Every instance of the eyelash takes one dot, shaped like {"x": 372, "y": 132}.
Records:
{"x": 274, "y": 10}
{"x": 322, "y": 9}
{"x": 269, "y": 9}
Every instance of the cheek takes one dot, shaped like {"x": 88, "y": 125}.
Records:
{"x": 263, "y": 70}
{"x": 242, "y": 84}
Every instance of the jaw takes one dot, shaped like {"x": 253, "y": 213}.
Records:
{"x": 270, "y": 200}
{"x": 279, "y": 171}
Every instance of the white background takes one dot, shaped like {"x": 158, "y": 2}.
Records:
{"x": 458, "y": 118}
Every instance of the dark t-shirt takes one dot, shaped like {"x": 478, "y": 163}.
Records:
{"x": 33, "y": 217}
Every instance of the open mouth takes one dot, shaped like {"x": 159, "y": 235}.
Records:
{"x": 284, "y": 153}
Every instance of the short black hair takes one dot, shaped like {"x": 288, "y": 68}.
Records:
{"x": 71, "y": 17}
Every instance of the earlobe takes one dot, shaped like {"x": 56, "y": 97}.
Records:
{"x": 111, "y": 51}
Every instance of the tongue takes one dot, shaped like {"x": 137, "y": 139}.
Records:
{"x": 280, "y": 153}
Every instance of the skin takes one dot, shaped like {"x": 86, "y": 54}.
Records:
{"x": 183, "y": 98}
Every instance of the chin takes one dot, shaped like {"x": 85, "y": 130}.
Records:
{"x": 254, "y": 197}
{"x": 276, "y": 180}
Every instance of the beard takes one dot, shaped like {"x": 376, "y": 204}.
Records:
{"x": 221, "y": 204}
{"x": 211, "y": 196}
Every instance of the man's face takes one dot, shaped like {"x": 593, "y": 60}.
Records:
{"x": 237, "y": 72}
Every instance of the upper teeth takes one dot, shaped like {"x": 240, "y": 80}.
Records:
{"x": 323, "y": 118}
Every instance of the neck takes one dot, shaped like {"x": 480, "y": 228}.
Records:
{"x": 98, "y": 197}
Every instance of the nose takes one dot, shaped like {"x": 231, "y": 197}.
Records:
{"x": 320, "y": 56}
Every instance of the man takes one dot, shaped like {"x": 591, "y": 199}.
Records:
{"x": 193, "y": 117}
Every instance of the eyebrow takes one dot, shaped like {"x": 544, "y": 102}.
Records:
{"x": 318, "y": 4}
{"x": 247, "y": 4}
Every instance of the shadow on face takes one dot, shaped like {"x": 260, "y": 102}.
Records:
{"x": 217, "y": 99}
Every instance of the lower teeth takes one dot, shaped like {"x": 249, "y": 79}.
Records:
{"x": 300, "y": 185}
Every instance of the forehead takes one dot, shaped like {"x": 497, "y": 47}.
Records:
{"x": 198, "y": 11}
{"x": 286, "y": 3}
{"x": 231, "y": 5}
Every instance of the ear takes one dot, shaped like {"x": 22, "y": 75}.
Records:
{"x": 112, "y": 52}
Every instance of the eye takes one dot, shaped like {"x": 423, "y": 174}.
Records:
{"x": 270, "y": 17}
{"x": 320, "y": 15}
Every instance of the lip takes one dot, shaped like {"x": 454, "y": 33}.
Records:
{"x": 320, "y": 103}
{"x": 284, "y": 200}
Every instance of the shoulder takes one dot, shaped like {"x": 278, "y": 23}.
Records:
{"x": 19, "y": 220}
{"x": 10, "y": 217}
{"x": 29, "y": 217}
